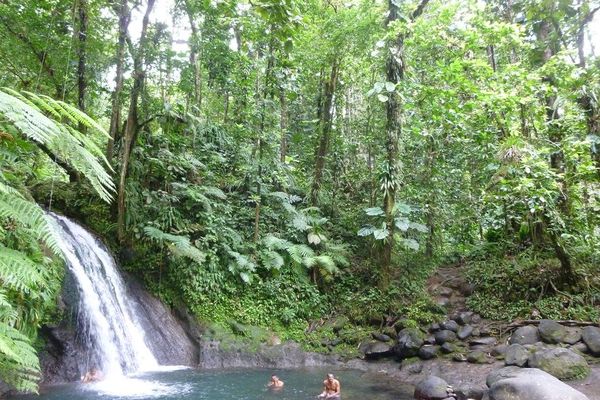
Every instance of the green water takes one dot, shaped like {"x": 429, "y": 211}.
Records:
{"x": 227, "y": 385}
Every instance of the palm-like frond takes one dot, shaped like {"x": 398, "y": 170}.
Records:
{"x": 178, "y": 245}
{"x": 19, "y": 365}
{"x": 18, "y": 271}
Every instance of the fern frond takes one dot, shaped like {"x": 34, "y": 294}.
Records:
{"x": 75, "y": 115}
{"x": 19, "y": 364}
{"x": 28, "y": 120}
{"x": 274, "y": 243}
{"x": 214, "y": 192}
{"x": 272, "y": 259}
{"x": 17, "y": 271}
{"x": 178, "y": 245}
{"x": 31, "y": 216}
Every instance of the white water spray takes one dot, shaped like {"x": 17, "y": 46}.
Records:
{"x": 107, "y": 316}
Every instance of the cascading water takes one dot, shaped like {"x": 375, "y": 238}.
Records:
{"x": 107, "y": 321}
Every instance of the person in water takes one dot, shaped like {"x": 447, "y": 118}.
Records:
{"x": 275, "y": 382}
{"x": 331, "y": 388}
{"x": 93, "y": 375}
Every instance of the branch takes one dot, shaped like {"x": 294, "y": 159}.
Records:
{"x": 419, "y": 10}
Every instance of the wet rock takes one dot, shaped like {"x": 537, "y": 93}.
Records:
{"x": 429, "y": 352}
{"x": 409, "y": 342}
{"x": 444, "y": 336}
{"x": 464, "y": 332}
{"x": 591, "y": 337}
{"x": 431, "y": 388}
{"x": 477, "y": 357}
{"x": 487, "y": 341}
{"x": 514, "y": 383}
{"x": 525, "y": 335}
{"x": 411, "y": 366}
{"x": 450, "y": 326}
{"x": 551, "y": 331}
{"x": 572, "y": 336}
{"x": 516, "y": 355}
{"x": 562, "y": 363}
{"x": 381, "y": 337}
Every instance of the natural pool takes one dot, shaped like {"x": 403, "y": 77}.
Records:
{"x": 227, "y": 385}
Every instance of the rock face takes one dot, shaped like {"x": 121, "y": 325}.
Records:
{"x": 561, "y": 363}
{"x": 525, "y": 335}
{"x": 551, "y": 331}
{"x": 513, "y": 383}
{"x": 214, "y": 355}
{"x": 591, "y": 337}
{"x": 431, "y": 388}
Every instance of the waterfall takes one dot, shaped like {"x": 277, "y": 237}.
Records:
{"x": 107, "y": 320}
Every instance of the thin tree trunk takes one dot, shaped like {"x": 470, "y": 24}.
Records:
{"x": 283, "y": 124}
{"x": 194, "y": 45}
{"x": 326, "y": 113}
{"x": 131, "y": 126}
{"x": 394, "y": 74}
{"x": 115, "y": 118}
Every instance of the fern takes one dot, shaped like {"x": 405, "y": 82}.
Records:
{"x": 17, "y": 271}
{"x": 178, "y": 245}
{"x": 19, "y": 365}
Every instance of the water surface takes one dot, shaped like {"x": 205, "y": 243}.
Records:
{"x": 227, "y": 385}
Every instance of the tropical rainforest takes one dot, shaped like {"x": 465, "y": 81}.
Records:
{"x": 280, "y": 162}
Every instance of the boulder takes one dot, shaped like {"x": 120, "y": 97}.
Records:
{"x": 450, "y": 326}
{"x": 514, "y": 383}
{"x": 411, "y": 366}
{"x": 486, "y": 341}
{"x": 467, "y": 392}
{"x": 562, "y": 363}
{"x": 375, "y": 349}
{"x": 409, "y": 342}
{"x": 551, "y": 331}
{"x": 525, "y": 335}
{"x": 380, "y": 336}
{"x": 591, "y": 337}
{"x": 499, "y": 350}
{"x": 580, "y": 348}
{"x": 572, "y": 336}
{"x": 464, "y": 332}
{"x": 444, "y": 336}
{"x": 464, "y": 318}
{"x": 429, "y": 352}
{"x": 431, "y": 388}
{"x": 448, "y": 348}
{"x": 477, "y": 357}
{"x": 516, "y": 355}
{"x": 434, "y": 327}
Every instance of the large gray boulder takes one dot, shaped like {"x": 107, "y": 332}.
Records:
{"x": 375, "y": 349}
{"x": 591, "y": 337}
{"x": 431, "y": 388}
{"x": 409, "y": 342}
{"x": 572, "y": 336}
{"x": 551, "y": 331}
{"x": 562, "y": 363}
{"x": 525, "y": 335}
{"x": 516, "y": 355}
{"x": 514, "y": 383}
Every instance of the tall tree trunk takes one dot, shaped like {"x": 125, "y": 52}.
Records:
{"x": 131, "y": 126}
{"x": 326, "y": 113}
{"x": 115, "y": 117}
{"x": 394, "y": 72}
{"x": 194, "y": 45}
{"x": 82, "y": 28}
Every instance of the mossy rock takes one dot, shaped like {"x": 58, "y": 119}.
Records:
{"x": 336, "y": 324}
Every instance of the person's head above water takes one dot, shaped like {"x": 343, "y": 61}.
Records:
{"x": 330, "y": 377}
{"x": 274, "y": 378}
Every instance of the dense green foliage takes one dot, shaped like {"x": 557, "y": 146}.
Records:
{"x": 294, "y": 161}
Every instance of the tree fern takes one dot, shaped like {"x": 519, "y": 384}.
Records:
{"x": 19, "y": 365}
